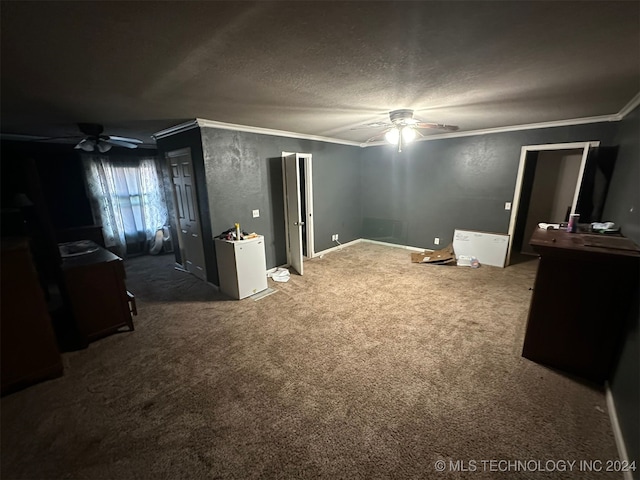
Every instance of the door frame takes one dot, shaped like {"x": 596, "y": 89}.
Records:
{"x": 308, "y": 198}
{"x": 515, "y": 204}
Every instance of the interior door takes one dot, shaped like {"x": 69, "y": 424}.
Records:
{"x": 189, "y": 234}
{"x": 291, "y": 169}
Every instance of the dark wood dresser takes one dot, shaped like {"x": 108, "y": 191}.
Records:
{"x": 95, "y": 282}
{"x": 581, "y": 300}
{"x": 29, "y": 350}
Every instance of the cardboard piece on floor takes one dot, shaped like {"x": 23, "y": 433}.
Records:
{"x": 438, "y": 257}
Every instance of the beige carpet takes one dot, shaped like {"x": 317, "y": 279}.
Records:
{"x": 367, "y": 367}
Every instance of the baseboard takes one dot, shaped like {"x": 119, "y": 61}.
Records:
{"x": 387, "y": 244}
{"x": 375, "y": 242}
{"x": 617, "y": 432}
{"x": 337, "y": 247}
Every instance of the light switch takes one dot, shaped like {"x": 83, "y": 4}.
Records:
{"x": 507, "y": 205}
{"x": 256, "y": 213}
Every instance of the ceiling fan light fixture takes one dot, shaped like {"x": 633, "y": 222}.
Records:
{"x": 408, "y": 135}
{"x": 104, "y": 147}
{"x": 87, "y": 145}
{"x": 392, "y": 136}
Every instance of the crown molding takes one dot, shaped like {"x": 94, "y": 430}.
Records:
{"x": 182, "y": 127}
{"x": 204, "y": 123}
{"x": 268, "y": 131}
{"x": 513, "y": 128}
{"x": 18, "y": 137}
{"x": 629, "y": 107}
{"x": 201, "y": 122}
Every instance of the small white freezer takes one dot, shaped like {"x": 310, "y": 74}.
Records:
{"x": 242, "y": 266}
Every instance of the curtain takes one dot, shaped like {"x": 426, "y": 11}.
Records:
{"x": 127, "y": 198}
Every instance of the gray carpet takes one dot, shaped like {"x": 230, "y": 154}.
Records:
{"x": 367, "y": 367}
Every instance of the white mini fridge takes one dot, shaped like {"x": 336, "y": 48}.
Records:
{"x": 242, "y": 266}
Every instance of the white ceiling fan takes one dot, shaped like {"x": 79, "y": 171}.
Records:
{"x": 403, "y": 128}
{"x": 96, "y": 140}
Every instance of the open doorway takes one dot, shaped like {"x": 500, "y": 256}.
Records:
{"x": 552, "y": 192}
{"x": 298, "y": 203}
{"x": 547, "y": 190}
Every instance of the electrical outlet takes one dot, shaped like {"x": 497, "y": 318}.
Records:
{"x": 507, "y": 205}
{"x": 334, "y": 237}
{"x": 256, "y": 213}
{"x": 436, "y": 241}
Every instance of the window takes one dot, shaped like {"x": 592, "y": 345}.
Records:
{"x": 127, "y": 198}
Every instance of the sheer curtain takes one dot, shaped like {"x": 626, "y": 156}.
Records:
{"x": 127, "y": 198}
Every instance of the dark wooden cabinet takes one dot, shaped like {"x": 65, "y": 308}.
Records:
{"x": 95, "y": 284}
{"x": 581, "y": 299}
{"x": 29, "y": 350}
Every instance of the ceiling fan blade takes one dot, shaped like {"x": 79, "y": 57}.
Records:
{"x": 121, "y": 143}
{"x": 378, "y": 136}
{"x": 373, "y": 125}
{"x": 437, "y": 126}
{"x": 123, "y": 139}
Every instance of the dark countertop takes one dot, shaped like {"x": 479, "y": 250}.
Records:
{"x": 608, "y": 244}
{"x": 96, "y": 254}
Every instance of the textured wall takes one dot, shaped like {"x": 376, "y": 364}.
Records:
{"x": 244, "y": 172}
{"x": 429, "y": 190}
{"x": 623, "y": 207}
{"x": 434, "y": 187}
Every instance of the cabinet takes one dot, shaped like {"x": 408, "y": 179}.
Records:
{"x": 29, "y": 350}
{"x": 581, "y": 301}
{"x": 95, "y": 282}
{"x": 241, "y": 266}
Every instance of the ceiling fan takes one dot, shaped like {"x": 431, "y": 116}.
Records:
{"x": 403, "y": 128}
{"x": 95, "y": 139}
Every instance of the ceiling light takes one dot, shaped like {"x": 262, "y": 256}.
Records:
{"x": 392, "y": 136}
{"x": 400, "y": 135}
{"x": 104, "y": 147}
{"x": 87, "y": 145}
{"x": 408, "y": 135}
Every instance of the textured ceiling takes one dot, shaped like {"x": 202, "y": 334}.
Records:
{"x": 319, "y": 68}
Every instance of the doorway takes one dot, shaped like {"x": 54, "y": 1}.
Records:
{"x": 298, "y": 204}
{"x": 547, "y": 189}
{"x": 554, "y": 184}
{"x": 187, "y": 212}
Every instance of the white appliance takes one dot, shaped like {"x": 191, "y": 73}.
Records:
{"x": 242, "y": 266}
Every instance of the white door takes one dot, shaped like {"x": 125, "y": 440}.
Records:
{"x": 291, "y": 172}
{"x": 186, "y": 201}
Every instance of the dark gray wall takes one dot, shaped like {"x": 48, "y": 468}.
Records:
{"x": 623, "y": 207}
{"x": 409, "y": 198}
{"x": 434, "y": 187}
{"x": 244, "y": 172}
